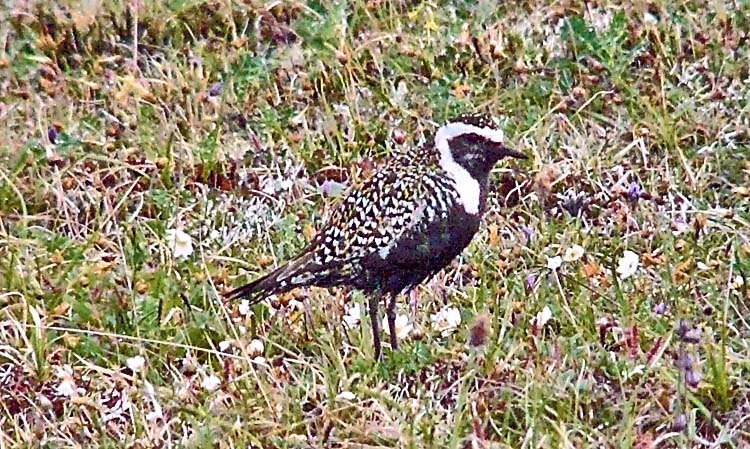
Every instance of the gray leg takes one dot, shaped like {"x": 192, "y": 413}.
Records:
{"x": 391, "y": 313}
{"x": 373, "y": 303}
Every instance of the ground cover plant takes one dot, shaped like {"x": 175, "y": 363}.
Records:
{"x": 157, "y": 154}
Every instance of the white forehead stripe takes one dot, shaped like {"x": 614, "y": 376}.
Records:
{"x": 466, "y": 186}
{"x": 452, "y": 130}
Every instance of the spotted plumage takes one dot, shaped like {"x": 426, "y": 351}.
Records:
{"x": 403, "y": 225}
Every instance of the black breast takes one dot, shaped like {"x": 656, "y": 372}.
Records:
{"x": 419, "y": 253}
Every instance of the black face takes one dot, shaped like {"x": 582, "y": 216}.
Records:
{"x": 478, "y": 154}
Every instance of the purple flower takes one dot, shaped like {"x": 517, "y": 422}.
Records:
{"x": 688, "y": 333}
{"x": 332, "y": 188}
{"x": 216, "y": 89}
{"x": 573, "y": 202}
{"x": 693, "y": 378}
{"x": 52, "y": 134}
{"x": 531, "y": 280}
{"x": 635, "y": 191}
{"x": 660, "y": 308}
{"x": 686, "y": 361}
{"x": 680, "y": 423}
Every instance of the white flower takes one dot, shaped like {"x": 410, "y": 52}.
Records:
{"x": 679, "y": 227}
{"x": 136, "y": 363}
{"x": 553, "y": 263}
{"x": 573, "y": 253}
{"x": 446, "y": 321}
{"x": 256, "y": 348}
{"x": 224, "y": 345}
{"x": 701, "y": 266}
{"x": 67, "y": 386}
{"x": 398, "y": 94}
{"x": 154, "y": 415}
{"x": 346, "y": 396}
{"x": 260, "y": 360}
{"x": 650, "y": 18}
{"x": 244, "y": 307}
{"x": 403, "y": 328}
{"x": 285, "y": 184}
{"x": 353, "y": 316}
{"x": 628, "y": 264}
{"x": 342, "y": 110}
{"x": 295, "y": 305}
{"x": 542, "y": 317}
{"x": 737, "y": 282}
{"x": 179, "y": 242}
{"x": 210, "y": 383}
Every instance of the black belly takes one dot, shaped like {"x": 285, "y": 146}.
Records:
{"x": 418, "y": 254}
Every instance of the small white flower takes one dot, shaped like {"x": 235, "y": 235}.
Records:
{"x": 136, "y": 363}
{"x": 256, "y": 348}
{"x": 353, "y": 316}
{"x": 346, "y": 396}
{"x": 628, "y": 264}
{"x": 260, "y": 360}
{"x": 154, "y": 415}
{"x": 67, "y": 386}
{"x": 244, "y": 307}
{"x": 737, "y": 282}
{"x": 679, "y": 227}
{"x": 295, "y": 305}
{"x": 398, "y": 94}
{"x": 285, "y": 184}
{"x": 553, "y": 263}
{"x": 210, "y": 383}
{"x": 542, "y": 317}
{"x": 179, "y": 242}
{"x": 650, "y": 18}
{"x": 701, "y": 266}
{"x": 224, "y": 345}
{"x": 573, "y": 253}
{"x": 446, "y": 321}
{"x": 403, "y": 328}
{"x": 342, "y": 110}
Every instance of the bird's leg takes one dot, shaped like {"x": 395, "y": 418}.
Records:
{"x": 373, "y": 305}
{"x": 414, "y": 303}
{"x": 308, "y": 318}
{"x": 391, "y": 313}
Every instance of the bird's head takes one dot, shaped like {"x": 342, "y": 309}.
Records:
{"x": 472, "y": 142}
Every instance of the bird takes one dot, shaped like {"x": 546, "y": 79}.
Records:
{"x": 402, "y": 225}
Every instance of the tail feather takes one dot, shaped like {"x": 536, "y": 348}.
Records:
{"x": 258, "y": 289}
{"x": 301, "y": 272}
{"x": 281, "y": 280}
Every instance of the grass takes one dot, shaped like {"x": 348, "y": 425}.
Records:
{"x": 231, "y": 120}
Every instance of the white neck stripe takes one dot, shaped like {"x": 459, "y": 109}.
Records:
{"x": 466, "y": 186}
